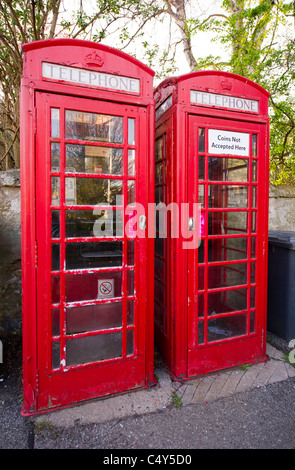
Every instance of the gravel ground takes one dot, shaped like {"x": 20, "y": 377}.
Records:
{"x": 262, "y": 418}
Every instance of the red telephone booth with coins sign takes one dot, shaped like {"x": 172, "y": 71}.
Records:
{"x": 87, "y": 137}
{"x": 211, "y": 183}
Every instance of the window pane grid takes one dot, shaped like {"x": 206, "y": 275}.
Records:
{"x": 125, "y": 344}
{"x": 224, "y": 179}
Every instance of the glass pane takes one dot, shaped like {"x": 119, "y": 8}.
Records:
{"x": 227, "y": 249}
{"x": 90, "y": 286}
{"x": 55, "y": 257}
{"x": 228, "y": 169}
{"x": 252, "y": 297}
{"x": 227, "y": 301}
{"x": 253, "y": 223}
{"x": 227, "y": 223}
{"x": 93, "y": 348}
{"x": 226, "y": 276}
{"x": 130, "y": 252}
{"x": 55, "y": 122}
{"x": 201, "y": 277}
{"x": 160, "y": 293}
{"x": 55, "y": 190}
{"x": 95, "y": 127}
{"x": 93, "y": 159}
{"x": 227, "y": 327}
{"x": 55, "y": 360}
{"x": 252, "y": 273}
{"x": 130, "y": 192}
{"x": 254, "y": 170}
{"x": 254, "y": 196}
{"x": 228, "y": 196}
{"x": 130, "y": 342}
{"x": 200, "y": 332}
{"x": 93, "y": 317}
{"x": 201, "y": 168}
{"x": 159, "y": 315}
{"x": 252, "y": 322}
{"x": 131, "y": 162}
{"x": 201, "y": 252}
{"x": 93, "y": 255}
{"x": 159, "y": 148}
{"x": 55, "y": 224}
{"x": 131, "y": 131}
{"x": 94, "y": 223}
{"x": 55, "y": 322}
{"x": 201, "y": 140}
{"x": 159, "y": 194}
{"x": 55, "y": 289}
{"x": 160, "y": 269}
{"x": 201, "y": 305}
{"x": 253, "y": 247}
{"x": 55, "y": 151}
{"x": 159, "y": 247}
{"x": 159, "y": 173}
{"x": 201, "y": 191}
{"x": 254, "y": 145}
{"x": 130, "y": 312}
{"x": 91, "y": 191}
{"x": 131, "y": 222}
{"x": 130, "y": 283}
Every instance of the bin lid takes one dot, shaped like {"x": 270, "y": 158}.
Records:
{"x": 285, "y": 239}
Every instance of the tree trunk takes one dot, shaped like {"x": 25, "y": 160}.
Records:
{"x": 180, "y": 19}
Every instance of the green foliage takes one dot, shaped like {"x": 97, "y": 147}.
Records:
{"x": 23, "y": 21}
{"x": 251, "y": 31}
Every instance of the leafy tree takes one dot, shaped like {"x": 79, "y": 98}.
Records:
{"x": 251, "y": 33}
{"x": 23, "y": 21}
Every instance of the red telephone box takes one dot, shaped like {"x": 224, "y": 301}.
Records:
{"x": 87, "y": 140}
{"x": 211, "y": 265}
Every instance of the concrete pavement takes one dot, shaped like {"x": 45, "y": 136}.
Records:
{"x": 246, "y": 407}
{"x": 168, "y": 393}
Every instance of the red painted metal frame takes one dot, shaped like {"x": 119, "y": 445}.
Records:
{"x": 42, "y": 391}
{"x": 179, "y": 349}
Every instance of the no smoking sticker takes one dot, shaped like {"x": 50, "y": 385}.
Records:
{"x": 105, "y": 288}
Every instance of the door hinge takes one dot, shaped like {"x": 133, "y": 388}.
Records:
{"x": 36, "y": 254}
{"x": 37, "y": 383}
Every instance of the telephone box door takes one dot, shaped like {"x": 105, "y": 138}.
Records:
{"x": 91, "y": 269}
{"x": 227, "y": 178}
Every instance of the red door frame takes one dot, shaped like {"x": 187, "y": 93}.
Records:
{"x": 177, "y": 92}
{"x": 55, "y": 51}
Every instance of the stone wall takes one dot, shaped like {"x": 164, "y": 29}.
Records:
{"x": 282, "y": 208}
{"x": 10, "y": 250}
{"x": 281, "y": 217}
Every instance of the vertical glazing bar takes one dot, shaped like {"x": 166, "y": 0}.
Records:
{"x": 62, "y": 238}
{"x": 249, "y": 231}
{"x": 206, "y": 204}
{"x": 52, "y": 130}
{"x": 125, "y": 262}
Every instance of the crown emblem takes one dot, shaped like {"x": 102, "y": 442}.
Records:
{"x": 226, "y": 85}
{"x": 93, "y": 59}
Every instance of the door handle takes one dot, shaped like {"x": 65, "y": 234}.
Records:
{"x": 191, "y": 224}
{"x": 142, "y": 222}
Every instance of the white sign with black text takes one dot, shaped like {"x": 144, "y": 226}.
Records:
{"x": 228, "y": 143}
{"x": 90, "y": 77}
{"x": 224, "y": 101}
